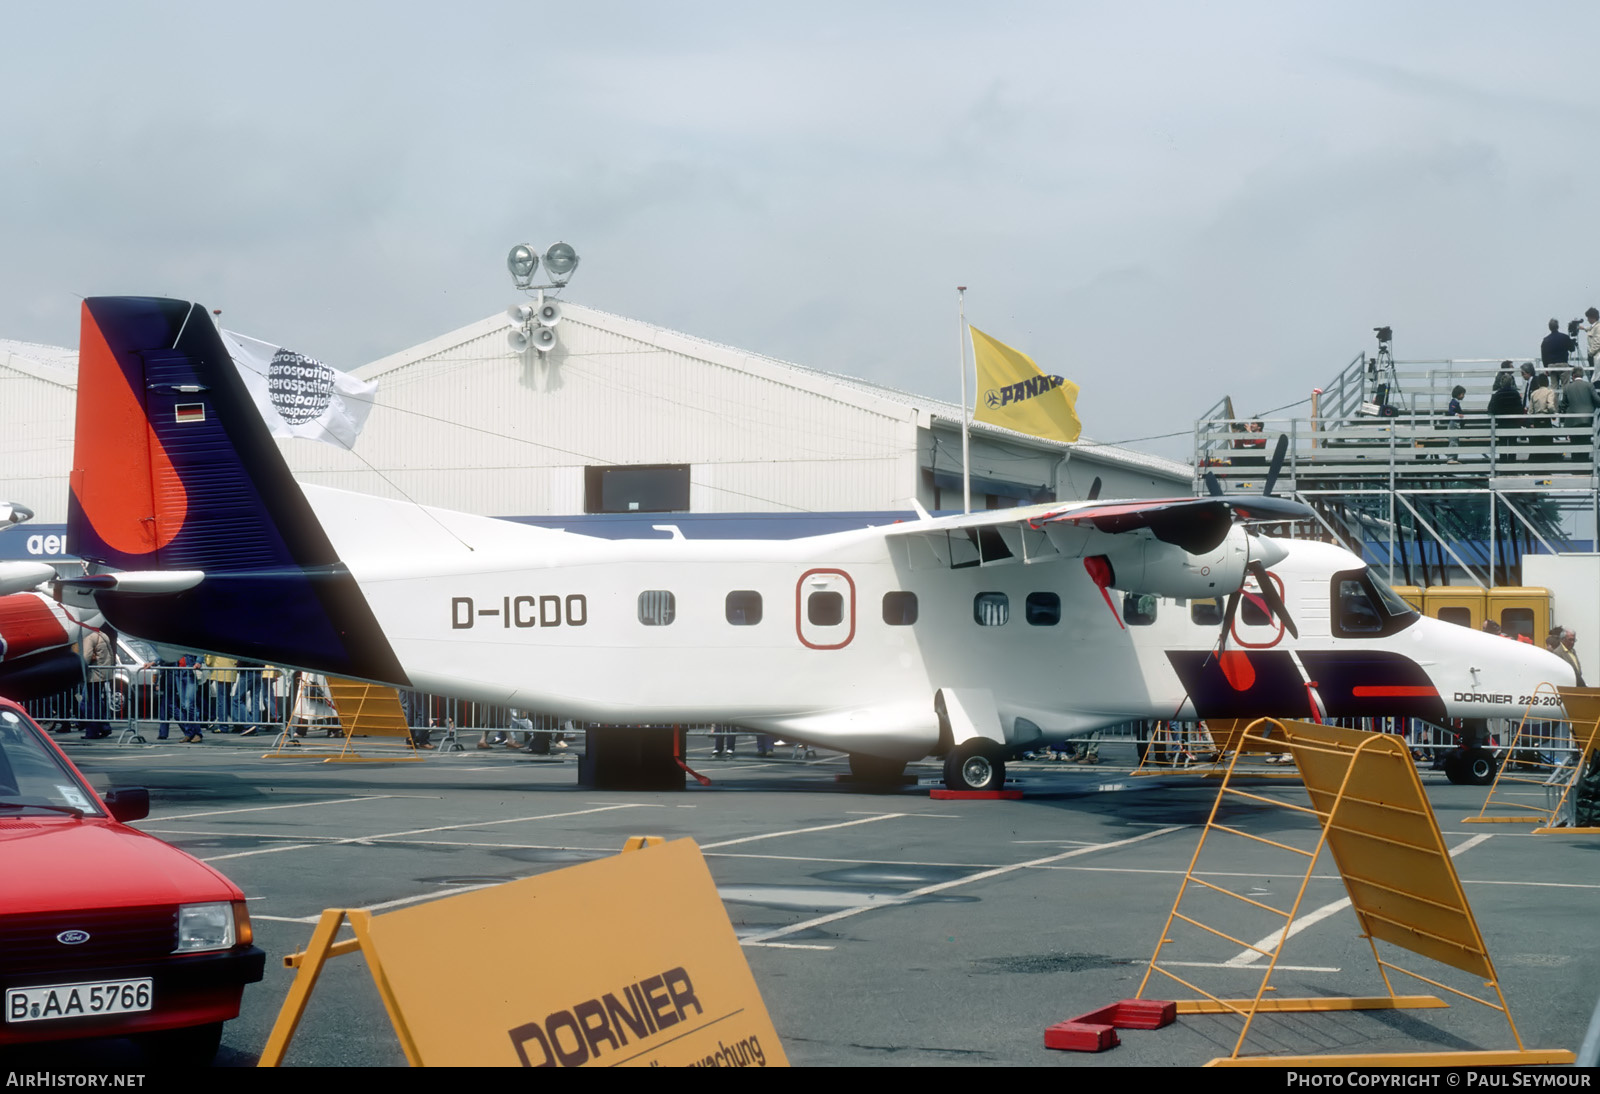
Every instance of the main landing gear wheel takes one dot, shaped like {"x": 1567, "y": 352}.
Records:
{"x": 1470, "y": 766}
{"x": 876, "y": 769}
{"x": 975, "y": 765}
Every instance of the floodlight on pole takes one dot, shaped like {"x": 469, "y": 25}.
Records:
{"x": 533, "y": 326}
{"x": 559, "y": 262}
{"x": 522, "y": 262}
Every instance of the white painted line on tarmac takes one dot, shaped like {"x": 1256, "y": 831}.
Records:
{"x": 379, "y": 836}
{"x": 927, "y": 890}
{"x": 873, "y": 813}
{"x": 803, "y": 831}
{"x": 291, "y": 805}
{"x": 386, "y": 905}
{"x": 787, "y": 945}
{"x": 1249, "y": 958}
{"x": 1536, "y": 884}
{"x": 609, "y": 849}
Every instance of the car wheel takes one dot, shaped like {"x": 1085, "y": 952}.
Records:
{"x": 975, "y": 765}
{"x": 195, "y": 1046}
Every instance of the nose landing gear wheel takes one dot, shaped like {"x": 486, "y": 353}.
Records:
{"x": 974, "y": 765}
{"x": 1470, "y": 766}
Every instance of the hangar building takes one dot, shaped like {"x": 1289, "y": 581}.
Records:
{"x": 620, "y": 416}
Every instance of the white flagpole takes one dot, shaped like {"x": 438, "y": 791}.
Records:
{"x": 966, "y": 418}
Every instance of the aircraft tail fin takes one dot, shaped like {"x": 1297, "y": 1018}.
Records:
{"x": 174, "y": 469}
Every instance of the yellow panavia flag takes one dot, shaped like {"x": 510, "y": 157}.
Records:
{"x": 1013, "y": 393}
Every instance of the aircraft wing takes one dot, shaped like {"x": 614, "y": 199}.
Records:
{"x": 1040, "y": 533}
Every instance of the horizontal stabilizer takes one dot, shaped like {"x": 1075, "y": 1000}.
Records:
{"x": 138, "y": 581}
{"x": 18, "y": 577}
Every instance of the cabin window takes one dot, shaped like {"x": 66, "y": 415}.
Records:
{"x": 657, "y": 608}
{"x": 1461, "y": 617}
{"x": 1139, "y": 609}
{"x": 743, "y": 608}
{"x": 825, "y": 609}
{"x": 991, "y": 609}
{"x": 1042, "y": 609}
{"x": 899, "y": 609}
{"x": 645, "y": 488}
{"x": 1207, "y": 612}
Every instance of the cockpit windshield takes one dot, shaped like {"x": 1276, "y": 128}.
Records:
{"x": 1364, "y": 607}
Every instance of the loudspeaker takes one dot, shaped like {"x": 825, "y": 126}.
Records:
{"x": 520, "y": 314}
{"x": 544, "y": 339}
{"x": 549, "y": 313}
{"x": 519, "y": 341}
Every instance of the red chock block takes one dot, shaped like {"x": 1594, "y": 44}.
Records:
{"x": 975, "y": 795}
{"x": 1097, "y": 1030}
{"x": 1081, "y": 1037}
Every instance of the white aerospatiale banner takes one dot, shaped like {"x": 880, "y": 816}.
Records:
{"x": 299, "y": 396}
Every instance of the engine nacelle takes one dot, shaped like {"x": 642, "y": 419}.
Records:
{"x": 1144, "y": 564}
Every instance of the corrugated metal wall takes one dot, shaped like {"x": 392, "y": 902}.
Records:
{"x": 36, "y": 440}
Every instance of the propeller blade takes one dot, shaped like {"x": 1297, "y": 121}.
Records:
{"x": 1094, "y": 490}
{"x": 1213, "y": 487}
{"x": 1269, "y": 593}
{"x": 1227, "y": 619}
{"x": 1277, "y": 464}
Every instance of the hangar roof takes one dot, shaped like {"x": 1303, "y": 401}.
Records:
{"x": 56, "y": 364}
{"x": 59, "y": 365}
{"x": 849, "y": 389}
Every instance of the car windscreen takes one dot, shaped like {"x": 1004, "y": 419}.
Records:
{"x": 32, "y": 776}
{"x": 143, "y": 653}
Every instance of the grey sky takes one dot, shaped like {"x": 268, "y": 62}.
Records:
{"x": 1163, "y": 202}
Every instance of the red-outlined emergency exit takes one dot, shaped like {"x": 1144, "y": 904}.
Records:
{"x": 825, "y": 609}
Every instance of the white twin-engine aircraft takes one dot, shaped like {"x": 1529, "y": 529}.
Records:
{"x": 969, "y": 637}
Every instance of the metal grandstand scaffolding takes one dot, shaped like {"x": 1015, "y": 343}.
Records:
{"x": 1433, "y": 499}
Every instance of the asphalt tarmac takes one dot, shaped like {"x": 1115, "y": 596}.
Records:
{"x": 883, "y": 928}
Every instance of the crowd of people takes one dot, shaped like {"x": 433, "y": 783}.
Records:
{"x": 1559, "y": 393}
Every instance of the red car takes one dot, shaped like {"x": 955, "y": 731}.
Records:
{"x": 105, "y": 931}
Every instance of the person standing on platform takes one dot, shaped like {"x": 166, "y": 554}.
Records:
{"x": 1541, "y": 410}
{"x": 1578, "y": 401}
{"x": 1556, "y": 347}
{"x": 1505, "y": 408}
{"x": 1593, "y": 329}
{"x": 1454, "y": 419}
